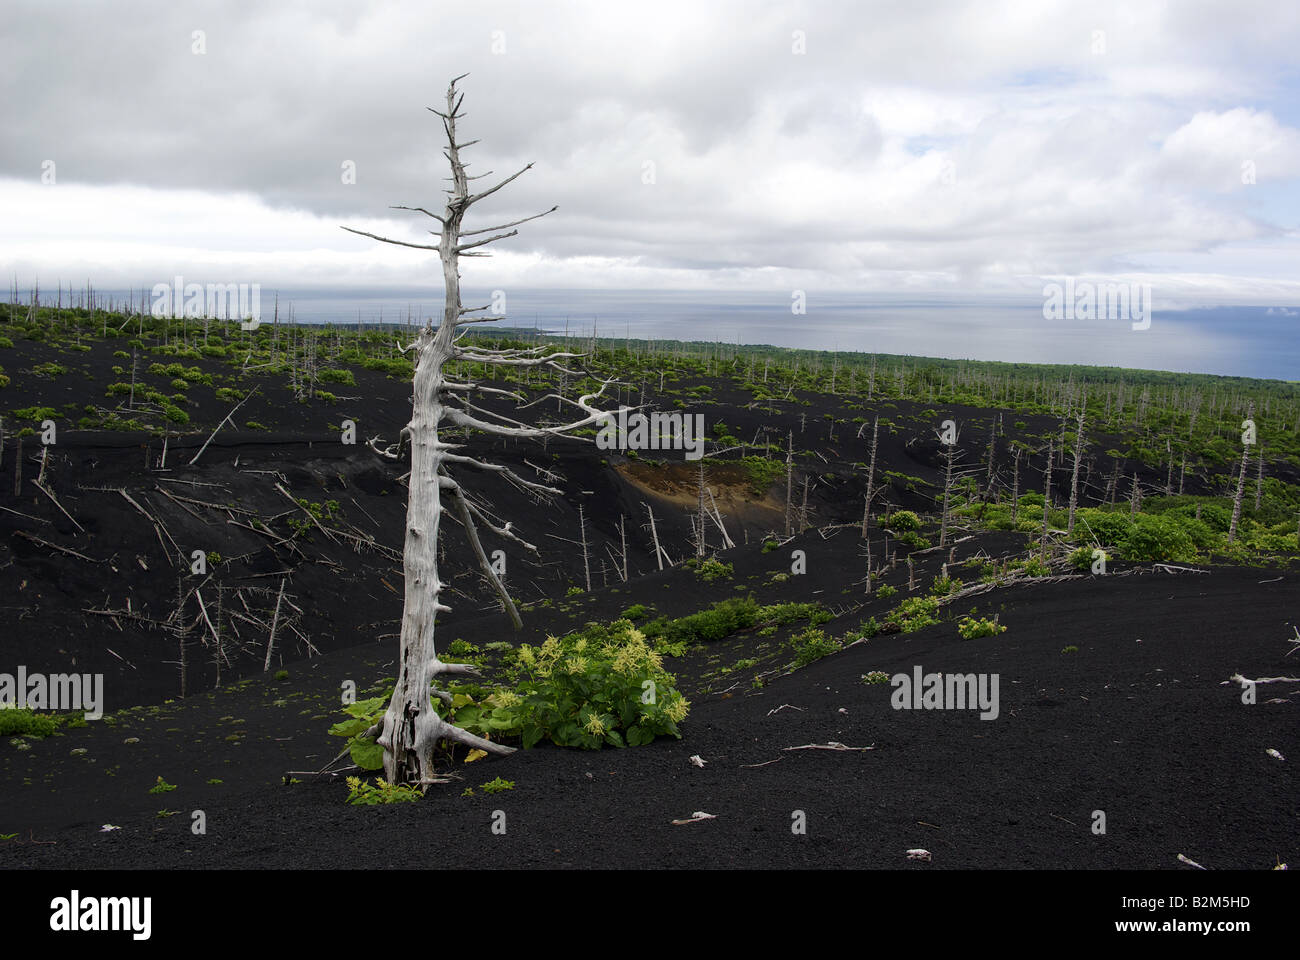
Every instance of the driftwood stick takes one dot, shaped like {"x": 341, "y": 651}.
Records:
{"x": 54, "y": 546}
{"x": 310, "y": 516}
{"x": 275, "y": 621}
{"x": 55, "y": 500}
{"x": 206, "y": 620}
{"x": 224, "y": 421}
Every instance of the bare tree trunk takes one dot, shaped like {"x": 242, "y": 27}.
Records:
{"x": 654, "y": 535}
{"x": 1074, "y": 477}
{"x": 1241, "y": 483}
{"x": 871, "y": 476}
{"x": 947, "y": 494}
{"x": 988, "y": 474}
{"x": 789, "y": 484}
{"x": 1047, "y": 496}
{"x": 1015, "y": 488}
{"x": 411, "y": 728}
{"x": 701, "y": 546}
{"x": 1259, "y": 480}
{"x": 582, "y": 528}
{"x": 275, "y": 622}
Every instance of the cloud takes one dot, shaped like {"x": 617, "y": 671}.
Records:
{"x": 952, "y": 147}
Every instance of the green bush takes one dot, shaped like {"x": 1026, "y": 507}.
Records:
{"x": 36, "y": 414}
{"x": 811, "y": 644}
{"x": 1081, "y": 559}
{"x": 914, "y": 613}
{"x": 914, "y": 540}
{"x": 603, "y": 685}
{"x": 26, "y": 723}
{"x": 713, "y": 569}
{"x": 337, "y": 375}
{"x": 363, "y": 793}
{"x": 970, "y": 628}
{"x": 903, "y": 520}
{"x": 942, "y": 586}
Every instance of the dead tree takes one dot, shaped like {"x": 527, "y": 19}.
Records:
{"x": 582, "y": 532}
{"x": 789, "y": 484}
{"x": 871, "y": 476}
{"x": 948, "y": 457}
{"x": 1047, "y": 495}
{"x": 1259, "y": 480}
{"x": 1074, "y": 477}
{"x": 1015, "y": 486}
{"x": 411, "y": 729}
{"x": 1241, "y": 481}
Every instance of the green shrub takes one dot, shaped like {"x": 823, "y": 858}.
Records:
{"x": 713, "y": 569}
{"x": 885, "y": 591}
{"x": 811, "y": 644}
{"x": 36, "y": 414}
{"x": 603, "y": 685}
{"x": 970, "y": 628}
{"x": 903, "y": 520}
{"x": 914, "y": 540}
{"x": 26, "y": 723}
{"x": 337, "y": 375}
{"x": 914, "y": 613}
{"x": 1080, "y": 559}
{"x": 363, "y": 793}
{"x": 942, "y": 586}
{"x": 1034, "y": 567}
{"x": 498, "y": 785}
{"x": 638, "y": 611}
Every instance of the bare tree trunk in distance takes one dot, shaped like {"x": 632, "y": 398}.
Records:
{"x": 1241, "y": 482}
{"x": 871, "y": 476}
{"x": 1047, "y": 496}
{"x": 1074, "y": 477}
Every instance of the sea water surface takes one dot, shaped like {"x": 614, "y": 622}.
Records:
{"x": 1248, "y": 341}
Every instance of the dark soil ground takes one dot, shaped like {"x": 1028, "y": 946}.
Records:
{"x": 1138, "y": 721}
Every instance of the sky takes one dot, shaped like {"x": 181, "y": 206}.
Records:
{"x": 897, "y": 149}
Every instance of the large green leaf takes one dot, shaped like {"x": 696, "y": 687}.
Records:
{"x": 350, "y": 728}
{"x": 366, "y": 754}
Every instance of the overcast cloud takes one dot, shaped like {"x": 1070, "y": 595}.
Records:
{"x": 914, "y": 147}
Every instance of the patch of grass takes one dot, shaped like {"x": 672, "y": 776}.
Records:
{"x": 498, "y": 786}
{"x": 363, "y": 793}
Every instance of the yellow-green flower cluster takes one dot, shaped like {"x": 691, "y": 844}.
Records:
{"x": 635, "y": 653}
{"x": 595, "y": 726}
{"x": 676, "y": 709}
